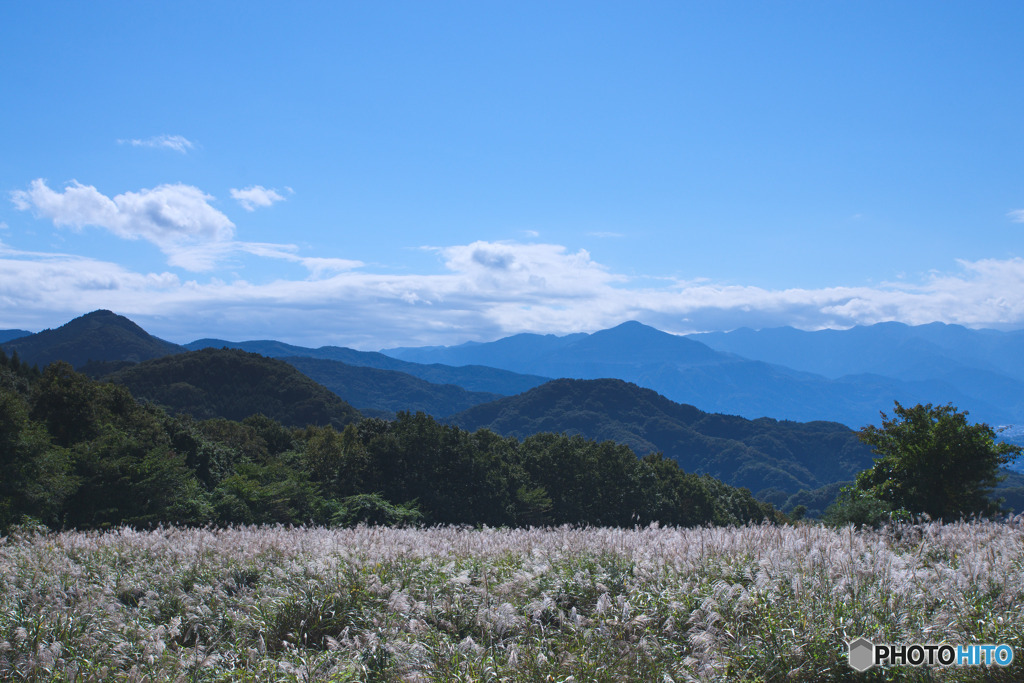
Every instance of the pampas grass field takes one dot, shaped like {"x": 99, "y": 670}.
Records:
{"x": 756, "y": 603}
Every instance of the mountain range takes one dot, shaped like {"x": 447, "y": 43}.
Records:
{"x": 471, "y": 377}
{"x": 845, "y": 376}
{"x": 976, "y": 370}
{"x": 752, "y": 422}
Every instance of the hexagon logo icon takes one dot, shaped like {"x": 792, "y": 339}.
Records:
{"x": 862, "y": 654}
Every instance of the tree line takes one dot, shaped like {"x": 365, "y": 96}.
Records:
{"x": 78, "y": 453}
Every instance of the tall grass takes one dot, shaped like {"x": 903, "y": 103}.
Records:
{"x": 757, "y": 603}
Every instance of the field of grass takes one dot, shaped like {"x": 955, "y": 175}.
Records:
{"x": 758, "y": 603}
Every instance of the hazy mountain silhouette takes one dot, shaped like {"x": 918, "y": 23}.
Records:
{"x": 688, "y": 371}
{"x": 8, "y": 335}
{"x": 472, "y": 378}
{"x": 891, "y": 349}
{"x": 385, "y": 392}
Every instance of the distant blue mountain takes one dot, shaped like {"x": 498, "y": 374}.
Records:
{"x": 629, "y": 345}
{"x": 687, "y": 370}
{"x": 891, "y": 349}
{"x": 978, "y": 370}
{"x": 8, "y": 335}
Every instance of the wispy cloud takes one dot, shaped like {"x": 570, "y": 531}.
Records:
{"x": 1017, "y": 216}
{"x": 178, "y": 219}
{"x": 178, "y": 143}
{"x": 254, "y": 196}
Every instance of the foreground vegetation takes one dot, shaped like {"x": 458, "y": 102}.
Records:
{"x": 754, "y": 603}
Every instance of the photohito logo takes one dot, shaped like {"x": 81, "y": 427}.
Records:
{"x": 864, "y": 654}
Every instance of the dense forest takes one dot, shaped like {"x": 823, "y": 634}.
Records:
{"x": 234, "y": 384}
{"x": 78, "y": 453}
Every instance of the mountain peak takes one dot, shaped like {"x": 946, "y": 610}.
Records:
{"x": 631, "y": 339}
{"x": 101, "y": 335}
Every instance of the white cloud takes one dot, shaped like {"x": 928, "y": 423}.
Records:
{"x": 254, "y": 196}
{"x": 178, "y": 143}
{"x": 177, "y": 218}
{"x": 489, "y": 290}
{"x": 1017, "y": 216}
{"x": 527, "y": 272}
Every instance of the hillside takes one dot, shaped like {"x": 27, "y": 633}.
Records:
{"x": 81, "y": 453}
{"x": 372, "y": 390}
{"x": 757, "y": 454}
{"x": 470, "y": 377}
{"x": 97, "y": 336}
{"x": 234, "y": 384}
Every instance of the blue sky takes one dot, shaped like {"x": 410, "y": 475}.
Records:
{"x": 382, "y": 174}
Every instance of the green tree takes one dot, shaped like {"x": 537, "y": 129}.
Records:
{"x": 931, "y": 460}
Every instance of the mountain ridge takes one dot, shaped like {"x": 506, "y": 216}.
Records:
{"x": 470, "y": 377}
{"x": 720, "y": 380}
{"x": 756, "y": 454}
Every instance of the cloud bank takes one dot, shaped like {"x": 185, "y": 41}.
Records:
{"x": 486, "y": 289}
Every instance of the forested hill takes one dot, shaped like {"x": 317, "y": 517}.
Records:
{"x": 756, "y": 454}
{"x": 234, "y": 384}
{"x": 76, "y": 453}
{"x": 97, "y": 336}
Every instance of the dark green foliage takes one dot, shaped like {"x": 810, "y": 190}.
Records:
{"x": 267, "y": 493}
{"x": 757, "y": 454}
{"x": 862, "y": 508}
{"x": 78, "y": 453}
{"x": 814, "y": 502}
{"x": 234, "y": 384}
{"x": 931, "y": 460}
{"x": 371, "y": 508}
